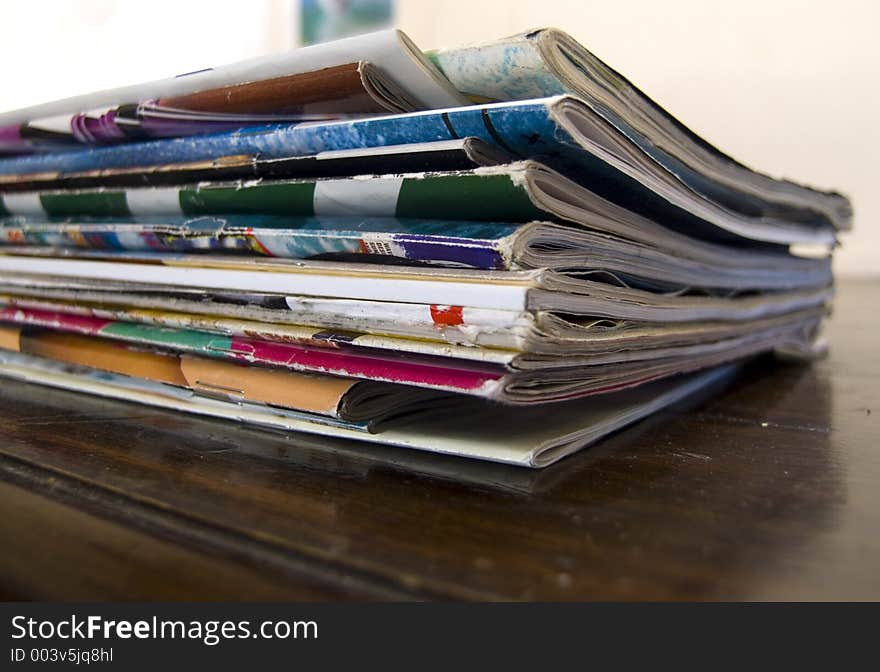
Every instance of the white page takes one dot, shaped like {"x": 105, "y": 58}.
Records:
{"x": 486, "y": 295}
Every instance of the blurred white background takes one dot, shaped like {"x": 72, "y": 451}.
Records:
{"x": 788, "y": 87}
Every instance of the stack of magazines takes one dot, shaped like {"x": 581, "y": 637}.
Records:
{"x": 502, "y": 251}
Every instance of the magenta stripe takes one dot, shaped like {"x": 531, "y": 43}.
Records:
{"x": 10, "y": 134}
{"x": 82, "y": 324}
{"x": 345, "y": 364}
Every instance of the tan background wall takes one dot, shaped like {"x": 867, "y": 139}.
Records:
{"x": 788, "y": 87}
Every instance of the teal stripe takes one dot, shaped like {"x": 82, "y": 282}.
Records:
{"x": 179, "y": 339}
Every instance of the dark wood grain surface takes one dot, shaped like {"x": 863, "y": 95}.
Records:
{"x": 768, "y": 490}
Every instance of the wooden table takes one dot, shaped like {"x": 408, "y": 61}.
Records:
{"x": 770, "y": 490}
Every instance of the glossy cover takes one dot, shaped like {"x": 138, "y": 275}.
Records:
{"x": 484, "y": 245}
{"x": 563, "y": 132}
{"x": 339, "y": 91}
{"x": 496, "y": 194}
{"x": 461, "y": 154}
{"x": 523, "y": 128}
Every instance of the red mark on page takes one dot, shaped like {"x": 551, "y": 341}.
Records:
{"x": 447, "y": 316}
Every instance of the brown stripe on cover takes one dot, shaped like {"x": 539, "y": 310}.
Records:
{"x": 339, "y": 89}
